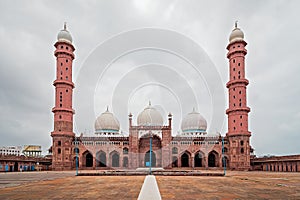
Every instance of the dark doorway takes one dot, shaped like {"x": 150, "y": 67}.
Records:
{"x": 198, "y": 160}
{"x": 226, "y": 163}
{"x": 153, "y": 159}
{"x": 125, "y": 162}
{"x": 115, "y": 160}
{"x": 16, "y": 167}
{"x": 211, "y": 160}
{"x": 89, "y": 160}
{"x": 101, "y": 159}
{"x": 185, "y": 160}
{"x": 174, "y": 161}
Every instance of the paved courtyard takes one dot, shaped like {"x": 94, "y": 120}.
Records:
{"x": 64, "y": 185}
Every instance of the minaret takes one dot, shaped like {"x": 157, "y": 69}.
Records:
{"x": 63, "y": 134}
{"x": 238, "y": 133}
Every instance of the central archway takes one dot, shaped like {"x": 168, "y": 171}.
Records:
{"x": 185, "y": 160}
{"x": 147, "y": 159}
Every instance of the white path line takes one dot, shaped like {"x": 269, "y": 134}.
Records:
{"x": 149, "y": 189}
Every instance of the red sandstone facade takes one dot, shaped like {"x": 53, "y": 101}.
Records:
{"x": 194, "y": 149}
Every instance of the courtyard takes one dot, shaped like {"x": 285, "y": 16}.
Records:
{"x": 65, "y": 185}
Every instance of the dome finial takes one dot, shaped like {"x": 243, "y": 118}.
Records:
{"x": 235, "y": 24}
{"x": 194, "y": 110}
{"x": 64, "y": 35}
{"x": 107, "y": 109}
{"x": 149, "y": 102}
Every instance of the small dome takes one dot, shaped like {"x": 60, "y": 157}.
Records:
{"x": 194, "y": 122}
{"x": 236, "y": 34}
{"x": 64, "y": 35}
{"x": 150, "y": 117}
{"x": 107, "y": 122}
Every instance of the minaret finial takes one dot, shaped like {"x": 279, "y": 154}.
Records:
{"x": 235, "y": 24}
{"x": 107, "y": 109}
{"x": 194, "y": 109}
{"x": 149, "y": 103}
{"x": 65, "y": 25}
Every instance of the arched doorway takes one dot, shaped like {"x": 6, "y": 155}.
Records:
{"x": 115, "y": 160}
{"x": 212, "y": 159}
{"x": 185, "y": 160}
{"x": 147, "y": 159}
{"x": 226, "y": 163}
{"x": 101, "y": 159}
{"x": 89, "y": 160}
{"x": 198, "y": 160}
{"x": 125, "y": 162}
{"x": 174, "y": 161}
{"x": 144, "y": 147}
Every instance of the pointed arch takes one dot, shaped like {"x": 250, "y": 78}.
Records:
{"x": 147, "y": 159}
{"x": 115, "y": 159}
{"x": 199, "y": 159}
{"x": 101, "y": 159}
{"x": 125, "y": 162}
{"x": 213, "y": 159}
{"x": 88, "y": 159}
{"x": 185, "y": 159}
{"x": 225, "y": 162}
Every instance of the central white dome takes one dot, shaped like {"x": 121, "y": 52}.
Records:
{"x": 150, "y": 117}
{"x": 193, "y": 122}
{"x": 107, "y": 122}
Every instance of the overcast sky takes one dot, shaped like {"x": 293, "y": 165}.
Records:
{"x": 103, "y": 31}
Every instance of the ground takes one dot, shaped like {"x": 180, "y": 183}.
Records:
{"x": 64, "y": 185}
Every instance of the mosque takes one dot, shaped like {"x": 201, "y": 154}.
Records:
{"x": 193, "y": 148}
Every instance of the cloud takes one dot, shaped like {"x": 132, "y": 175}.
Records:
{"x": 27, "y": 69}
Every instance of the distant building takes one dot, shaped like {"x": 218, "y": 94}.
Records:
{"x": 32, "y": 150}
{"x": 11, "y": 150}
{"x": 289, "y": 163}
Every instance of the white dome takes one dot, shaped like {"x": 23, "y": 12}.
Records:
{"x": 236, "y": 34}
{"x": 107, "y": 122}
{"x": 193, "y": 122}
{"x": 150, "y": 117}
{"x": 64, "y": 35}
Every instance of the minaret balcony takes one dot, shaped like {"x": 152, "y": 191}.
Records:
{"x": 243, "y": 82}
{"x": 242, "y": 109}
{"x": 63, "y": 82}
{"x": 56, "y": 109}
